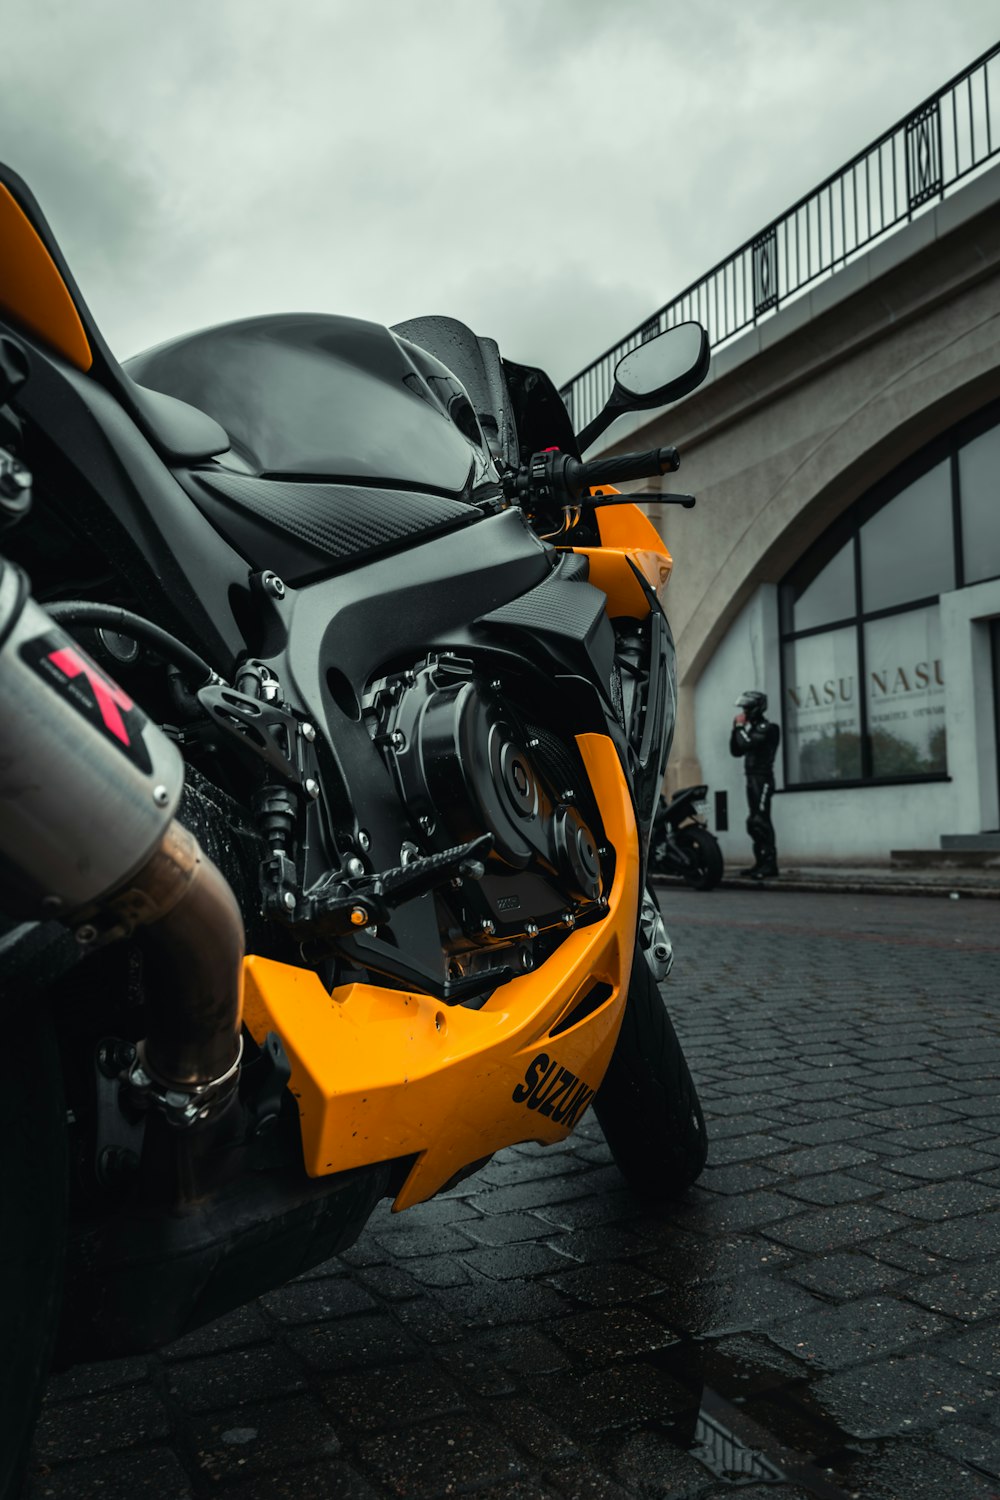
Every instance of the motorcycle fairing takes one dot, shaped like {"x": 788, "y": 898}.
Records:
{"x": 304, "y": 530}
{"x": 631, "y": 551}
{"x": 379, "y": 1073}
{"x": 32, "y": 290}
{"x": 322, "y": 396}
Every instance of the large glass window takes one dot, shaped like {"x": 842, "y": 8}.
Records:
{"x": 904, "y": 678}
{"x": 864, "y": 685}
{"x": 822, "y": 721}
{"x": 829, "y": 596}
{"x": 907, "y": 547}
{"x": 979, "y": 479}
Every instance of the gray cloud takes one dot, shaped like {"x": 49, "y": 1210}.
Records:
{"x": 548, "y": 170}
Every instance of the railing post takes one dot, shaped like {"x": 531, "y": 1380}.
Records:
{"x": 924, "y": 172}
{"x": 765, "y": 271}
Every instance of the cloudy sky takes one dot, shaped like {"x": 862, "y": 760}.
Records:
{"x": 550, "y": 171}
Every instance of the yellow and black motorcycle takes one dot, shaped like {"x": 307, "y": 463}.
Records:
{"x": 332, "y": 726}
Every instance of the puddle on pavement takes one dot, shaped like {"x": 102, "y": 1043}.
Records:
{"x": 752, "y": 1420}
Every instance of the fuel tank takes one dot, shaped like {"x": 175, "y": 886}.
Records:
{"x": 312, "y": 396}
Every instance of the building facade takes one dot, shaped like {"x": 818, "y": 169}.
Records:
{"x": 845, "y": 552}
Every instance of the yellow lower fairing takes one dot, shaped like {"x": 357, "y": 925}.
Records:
{"x": 382, "y": 1073}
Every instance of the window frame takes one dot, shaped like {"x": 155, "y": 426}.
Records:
{"x": 943, "y": 449}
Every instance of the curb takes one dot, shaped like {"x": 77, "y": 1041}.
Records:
{"x": 845, "y": 887}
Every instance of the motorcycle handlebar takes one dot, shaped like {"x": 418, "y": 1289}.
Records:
{"x": 625, "y": 466}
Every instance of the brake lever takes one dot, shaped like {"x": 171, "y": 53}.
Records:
{"x": 594, "y": 502}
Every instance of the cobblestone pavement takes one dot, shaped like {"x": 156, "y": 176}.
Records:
{"x": 820, "y": 1316}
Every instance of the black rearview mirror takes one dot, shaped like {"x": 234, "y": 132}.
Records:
{"x": 654, "y": 374}
{"x": 665, "y": 368}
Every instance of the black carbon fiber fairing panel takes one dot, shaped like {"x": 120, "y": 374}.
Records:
{"x": 566, "y": 620}
{"x": 321, "y": 524}
{"x": 558, "y": 606}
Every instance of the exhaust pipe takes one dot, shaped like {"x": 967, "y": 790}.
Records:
{"x": 88, "y": 791}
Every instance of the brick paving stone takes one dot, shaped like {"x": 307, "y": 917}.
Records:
{"x": 649, "y": 1464}
{"x": 311, "y": 1301}
{"x": 611, "y": 1334}
{"x": 88, "y": 1380}
{"x": 830, "y": 1188}
{"x": 427, "y": 1321}
{"x": 260, "y": 1438}
{"x": 969, "y": 1295}
{"x": 606, "y": 1285}
{"x": 602, "y": 1400}
{"x": 523, "y": 1351}
{"x": 823, "y": 1132}
{"x": 441, "y": 1239}
{"x": 141, "y": 1474}
{"x": 740, "y": 1177}
{"x": 747, "y": 1147}
{"x": 978, "y": 1347}
{"x": 453, "y": 1454}
{"x": 505, "y": 1229}
{"x": 836, "y": 1337}
{"x": 467, "y": 1366}
{"x": 391, "y": 1283}
{"x": 218, "y": 1381}
{"x": 581, "y": 1481}
{"x": 439, "y": 1270}
{"x": 581, "y": 1213}
{"x": 533, "y": 1430}
{"x": 235, "y": 1331}
{"x": 371, "y": 1339}
{"x": 328, "y": 1480}
{"x": 978, "y": 1446}
{"x": 371, "y": 1401}
{"x": 943, "y": 1163}
{"x": 971, "y": 1238}
{"x": 847, "y": 1225}
{"x": 829, "y": 1158}
{"x": 907, "y": 1470}
{"x": 744, "y": 1212}
{"x": 101, "y": 1424}
{"x": 512, "y": 1262}
{"x": 910, "y": 1393}
{"x": 845, "y": 1275}
{"x": 943, "y": 1200}
{"x": 490, "y": 1304}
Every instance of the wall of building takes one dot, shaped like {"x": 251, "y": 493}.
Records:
{"x": 868, "y": 822}
{"x": 797, "y": 420}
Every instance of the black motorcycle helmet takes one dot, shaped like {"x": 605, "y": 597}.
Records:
{"x": 753, "y": 704}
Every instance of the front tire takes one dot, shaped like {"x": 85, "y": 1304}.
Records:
{"x": 703, "y": 850}
{"x": 647, "y": 1105}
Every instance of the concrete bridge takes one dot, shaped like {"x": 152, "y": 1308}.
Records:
{"x": 800, "y": 418}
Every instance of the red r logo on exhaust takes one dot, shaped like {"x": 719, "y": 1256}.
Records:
{"x": 109, "y": 697}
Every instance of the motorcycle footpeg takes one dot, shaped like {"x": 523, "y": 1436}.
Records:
{"x": 463, "y": 862}
{"x": 369, "y": 899}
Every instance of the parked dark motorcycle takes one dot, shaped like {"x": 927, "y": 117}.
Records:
{"x": 356, "y": 898}
{"x": 681, "y": 844}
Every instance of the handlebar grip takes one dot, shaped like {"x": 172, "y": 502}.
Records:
{"x": 625, "y": 466}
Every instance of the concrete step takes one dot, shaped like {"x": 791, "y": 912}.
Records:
{"x": 946, "y": 859}
{"x": 971, "y": 841}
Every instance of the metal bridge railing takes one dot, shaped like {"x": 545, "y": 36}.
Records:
{"x": 948, "y": 137}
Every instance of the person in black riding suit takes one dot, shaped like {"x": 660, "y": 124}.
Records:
{"x": 756, "y": 740}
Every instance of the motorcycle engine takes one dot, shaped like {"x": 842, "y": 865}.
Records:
{"x": 466, "y": 761}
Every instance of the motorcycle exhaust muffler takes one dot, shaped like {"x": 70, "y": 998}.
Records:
{"x": 88, "y": 791}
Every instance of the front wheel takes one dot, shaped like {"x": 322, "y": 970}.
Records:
{"x": 702, "y": 848}
{"x": 647, "y": 1105}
